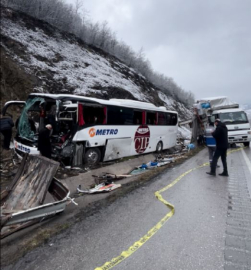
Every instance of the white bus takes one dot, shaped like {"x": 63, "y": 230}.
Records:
{"x": 89, "y": 130}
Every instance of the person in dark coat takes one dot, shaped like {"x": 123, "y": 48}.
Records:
{"x": 221, "y": 136}
{"x": 6, "y": 125}
{"x": 44, "y": 143}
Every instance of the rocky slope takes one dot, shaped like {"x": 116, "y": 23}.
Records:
{"x": 36, "y": 57}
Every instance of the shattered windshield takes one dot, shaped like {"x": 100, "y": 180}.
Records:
{"x": 26, "y": 127}
{"x": 234, "y": 118}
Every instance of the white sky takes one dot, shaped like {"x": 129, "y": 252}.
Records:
{"x": 205, "y": 46}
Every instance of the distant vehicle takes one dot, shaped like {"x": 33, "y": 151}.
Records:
{"x": 236, "y": 119}
{"x": 90, "y": 130}
{"x": 237, "y": 123}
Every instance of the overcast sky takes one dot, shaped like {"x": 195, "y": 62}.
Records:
{"x": 205, "y": 46}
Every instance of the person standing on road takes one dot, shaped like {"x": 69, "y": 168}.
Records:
{"x": 6, "y": 125}
{"x": 210, "y": 143}
{"x": 221, "y": 136}
{"x": 44, "y": 143}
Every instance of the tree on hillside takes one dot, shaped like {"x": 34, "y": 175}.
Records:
{"x": 78, "y": 5}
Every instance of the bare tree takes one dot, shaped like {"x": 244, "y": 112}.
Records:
{"x": 78, "y": 5}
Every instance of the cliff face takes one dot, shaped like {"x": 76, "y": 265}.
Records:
{"x": 36, "y": 57}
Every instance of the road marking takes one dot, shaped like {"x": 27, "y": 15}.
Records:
{"x": 125, "y": 254}
{"x": 246, "y": 159}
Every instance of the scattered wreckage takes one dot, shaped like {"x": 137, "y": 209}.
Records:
{"x": 103, "y": 187}
{"x": 105, "y": 181}
{"x": 33, "y": 194}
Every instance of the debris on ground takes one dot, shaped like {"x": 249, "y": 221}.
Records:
{"x": 138, "y": 171}
{"x": 160, "y": 160}
{"x": 8, "y": 165}
{"x": 103, "y": 187}
{"x": 108, "y": 178}
{"x": 183, "y": 138}
{"x": 23, "y": 202}
{"x": 153, "y": 164}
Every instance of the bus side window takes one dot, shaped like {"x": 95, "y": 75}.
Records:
{"x": 137, "y": 117}
{"x": 94, "y": 115}
{"x": 168, "y": 119}
{"x": 161, "y": 119}
{"x": 174, "y": 119}
{"x": 151, "y": 118}
{"x": 119, "y": 116}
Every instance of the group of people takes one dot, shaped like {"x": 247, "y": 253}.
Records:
{"x": 220, "y": 134}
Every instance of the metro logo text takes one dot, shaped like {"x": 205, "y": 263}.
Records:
{"x": 101, "y": 132}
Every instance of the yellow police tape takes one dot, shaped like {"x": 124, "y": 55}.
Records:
{"x": 125, "y": 254}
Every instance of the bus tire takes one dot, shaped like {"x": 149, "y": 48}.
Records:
{"x": 159, "y": 147}
{"x": 92, "y": 156}
{"x": 246, "y": 144}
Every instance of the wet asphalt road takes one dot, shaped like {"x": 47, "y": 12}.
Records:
{"x": 211, "y": 227}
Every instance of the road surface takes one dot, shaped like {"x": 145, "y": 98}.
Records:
{"x": 210, "y": 229}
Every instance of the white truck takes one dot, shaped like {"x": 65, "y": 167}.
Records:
{"x": 228, "y": 112}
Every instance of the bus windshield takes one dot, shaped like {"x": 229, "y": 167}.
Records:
{"x": 233, "y": 118}
{"x": 25, "y": 124}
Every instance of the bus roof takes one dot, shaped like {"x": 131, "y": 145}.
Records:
{"x": 115, "y": 102}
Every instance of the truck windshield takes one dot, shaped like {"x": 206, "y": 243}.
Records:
{"x": 26, "y": 124}
{"x": 233, "y": 118}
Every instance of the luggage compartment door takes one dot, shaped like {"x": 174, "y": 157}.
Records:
{"x": 117, "y": 148}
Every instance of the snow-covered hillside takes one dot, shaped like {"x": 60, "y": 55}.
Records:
{"x": 62, "y": 63}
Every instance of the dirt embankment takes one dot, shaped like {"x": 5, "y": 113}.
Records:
{"x": 16, "y": 84}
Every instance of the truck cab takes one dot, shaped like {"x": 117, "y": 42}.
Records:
{"x": 237, "y": 123}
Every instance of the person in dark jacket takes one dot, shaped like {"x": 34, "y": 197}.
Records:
{"x": 44, "y": 143}
{"x": 6, "y": 125}
{"x": 221, "y": 137}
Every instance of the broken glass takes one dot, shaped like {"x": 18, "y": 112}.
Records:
{"x": 24, "y": 127}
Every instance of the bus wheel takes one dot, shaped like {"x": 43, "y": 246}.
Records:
{"x": 159, "y": 147}
{"x": 92, "y": 156}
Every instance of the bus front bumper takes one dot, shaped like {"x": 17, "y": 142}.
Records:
{"x": 23, "y": 149}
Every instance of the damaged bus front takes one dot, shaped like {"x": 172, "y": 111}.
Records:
{"x": 61, "y": 111}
